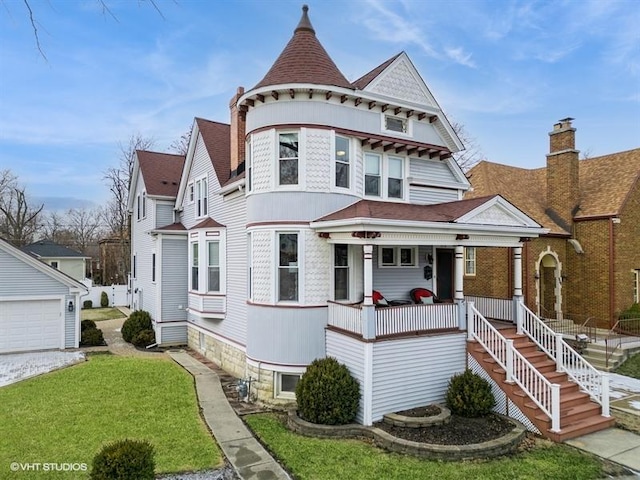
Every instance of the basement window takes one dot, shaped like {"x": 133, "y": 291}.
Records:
{"x": 286, "y": 385}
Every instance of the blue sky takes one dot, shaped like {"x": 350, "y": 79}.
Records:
{"x": 507, "y": 70}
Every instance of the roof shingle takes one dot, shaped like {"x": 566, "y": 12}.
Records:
{"x": 217, "y": 140}
{"x": 47, "y": 249}
{"x": 161, "y": 172}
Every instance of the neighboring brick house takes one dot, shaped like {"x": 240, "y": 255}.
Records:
{"x": 588, "y": 265}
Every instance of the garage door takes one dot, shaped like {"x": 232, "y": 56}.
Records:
{"x": 30, "y": 325}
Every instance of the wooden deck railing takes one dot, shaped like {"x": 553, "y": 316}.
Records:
{"x": 494, "y": 308}
{"x": 395, "y": 320}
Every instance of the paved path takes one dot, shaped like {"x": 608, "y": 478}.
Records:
{"x": 250, "y": 460}
{"x": 615, "y": 444}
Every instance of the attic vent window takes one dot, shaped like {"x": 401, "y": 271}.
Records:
{"x": 395, "y": 124}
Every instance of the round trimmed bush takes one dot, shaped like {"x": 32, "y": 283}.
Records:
{"x": 87, "y": 324}
{"x": 469, "y": 395}
{"x": 144, "y": 338}
{"x": 137, "y": 321}
{"x": 92, "y": 337}
{"x": 327, "y": 394}
{"x": 87, "y": 304}
{"x": 104, "y": 300}
{"x": 124, "y": 460}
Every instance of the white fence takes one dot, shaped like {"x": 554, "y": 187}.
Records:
{"x": 416, "y": 318}
{"x": 118, "y": 296}
{"x": 494, "y": 308}
{"x": 345, "y": 317}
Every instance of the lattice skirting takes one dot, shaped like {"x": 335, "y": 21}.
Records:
{"x": 503, "y": 406}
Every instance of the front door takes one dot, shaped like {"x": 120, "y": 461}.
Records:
{"x": 444, "y": 274}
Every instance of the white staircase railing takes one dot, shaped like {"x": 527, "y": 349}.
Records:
{"x": 588, "y": 378}
{"x": 545, "y": 395}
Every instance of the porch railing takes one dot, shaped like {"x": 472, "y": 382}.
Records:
{"x": 518, "y": 369}
{"x": 495, "y": 308}
{"x": 416, "y": 318}
{"x": 590, "y": 380}
{"x": 345, "y": 317}
{"x": 395, "y": 320}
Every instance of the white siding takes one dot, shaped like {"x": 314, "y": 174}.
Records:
{"x": 320, "y": 112}
{"x": 317, "y": 268}
{"x": 430, "y": 195}
{"x": 17, "y": 279}
{"x": 309, "y": 206}
{"x": 263, "y": 148}
{"x": 70, "y": 321}
{"x": 164, "y": 213}
{"x": 432, "y": 172}
{"x": 350, "y": 352}
{"x": 201, "y": 165}
{"x": 174, "y": 278}
{"x": 288, "y": 336}
{"x": 262, "y": 270}
{"x": 173, "y": 334}
{"x": 317, "y": 160}
{"x": 411, "y": 372}
{"x": 396, "y": 283}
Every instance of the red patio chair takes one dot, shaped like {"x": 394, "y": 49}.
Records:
{"x": 379, "y": 300}
{"x": 417, "y": 295}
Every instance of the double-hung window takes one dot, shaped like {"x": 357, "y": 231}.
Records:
{"x": 249, "y": 162}
{"x": 144, "y": 204}
{"x": 342, "y": 162}
{"x": 288, "y": 267}
{"x": 395, "y": 178}
{"x": 213, "y": 266}
{"x": 372, "y": 171}
{"x": 288, "y": 158}
{"x": 138, "y": 208}
{"x": 194, "y": 265}
{"x": 470, "y": 261}
{"x": 190, "y": 194}
{"x": 341, "y": 272}
{"x": 202, "y": 192}
{"x": 153, "y": 267}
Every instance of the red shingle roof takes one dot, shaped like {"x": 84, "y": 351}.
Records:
{"x": 304, "y": 60}
{"x": 217, "y": 141}
{"x": 174, "y": 227}
{"x": 161, "y": 172}
{"x": 207, "y": 223}
{"x": 440, "y": 212}
{"x": 367, "y": 78}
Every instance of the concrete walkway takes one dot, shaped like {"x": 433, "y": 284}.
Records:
{"x": 615, "y": 444}
{"x": 248, "y": 457}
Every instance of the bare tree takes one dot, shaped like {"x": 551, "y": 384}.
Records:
{"x": 84, "y": 226}
{"x": 54, "y": 227}
{"x": 181, "y": 145}
{"x": 472, "y": 153}
{"x": 18, "y": 218}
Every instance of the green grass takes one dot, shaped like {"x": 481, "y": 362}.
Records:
{"x": 630, "y": 367}
{"x": 99, "y": 314}
{"x": 319, "y": 459}
{"x": 68, "y": 415}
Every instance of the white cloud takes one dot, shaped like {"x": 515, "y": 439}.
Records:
{"x": 458, "y": 55}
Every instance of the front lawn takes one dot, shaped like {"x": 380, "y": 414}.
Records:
{"x": 630, "y": 367}
{"x": 320, "y": 459}
{"x": 66, "y": 416}
{"x": 98, "y": 314}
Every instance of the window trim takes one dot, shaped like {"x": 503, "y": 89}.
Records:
{"x": 134, "y": 267}
{"x": 249, "y": 163}
{"x": 191, "y": 193}
{"x": 397, "y": 256}
{"x": 144, "y": 204}
{"x": 384, "y": 177}
{"x": 202, "y": 238}
{"x": 208, "y": 260}
{"x": 300, "y": 174}
{"x": 201, "y": 194}
{"x": 636, "y": 292}
{"x": 380, "y": 175}
{"x": 335, "y": 162}
{"x": 153, "y": 267}
{"x": 278, "y": 267}
{"x": 408, "y": 130}
{"x": 346, "y": 267}
{"x": 195, "y": 265}
{"x": 277, "y": 388}
{"x": 138, "y": 207}
{"x": 54, "y": 264}
{"x": 470, "y": 261}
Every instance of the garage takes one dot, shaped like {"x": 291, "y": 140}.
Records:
{"x": 39, "y": 304}
{"x": 31, "y": 325}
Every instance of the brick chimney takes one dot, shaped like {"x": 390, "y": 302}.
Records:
{"x": 238, "y": 128}
{"x": 563, "y": 188}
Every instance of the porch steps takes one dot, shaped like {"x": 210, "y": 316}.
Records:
{"x": 596, "y": 355}
{"x": 579, "y": 415}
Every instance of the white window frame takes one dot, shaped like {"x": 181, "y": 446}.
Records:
{"x": 277, "y": 388}
{"x": 138, "y": 207}
{"x": 402, "y": 177}
{"x": 249, "y": 266}
{"x": 343, "y": 267}
{"x": 291, "y": 186}
{"x": 134, "y": 268}
{"x": 201, "y": 197}
{"x": 336, "y": 161}
{"x": 397, "y": 256}
{"x": 218, "y": 266}
{"x": 380, "y": 175}
{"x": 408, "y": 125}
{"x": 190, "y": 193}
{"x": 470, "y": 261}
{"x": 54, "y": 264}
{"x": 384, "y": 162}
{"x": 299, "y": 266}
{"x": 144, "y": 204}
{"x": 202, "y": 238}
{"x": 154, "y": 271}
{"x": 249, "y": 163}
{"x": 636, "y": 286}
{"x": 194, "y": 264}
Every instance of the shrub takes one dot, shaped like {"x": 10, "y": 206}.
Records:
{"x": 327, "y": 393}
{"x": 144, "y": 338}
{"x": 92, "y": 337}
{"x": 469, "y": 395}
{"x": 124, "y": 460}
{"x": 137, "y": 321}
{"x": 632, "y": 312}
{"x": 104, "y": 300}
{"x": 87, "y": 324}
{"x": 87, "y": 304}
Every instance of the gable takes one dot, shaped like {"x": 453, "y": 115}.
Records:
{"x": 497, "y": 212}
{"x": 402, "y": 81}
{"x": 21, "y": 279}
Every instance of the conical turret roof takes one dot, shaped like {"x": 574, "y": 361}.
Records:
{"x": 304, "y": 60}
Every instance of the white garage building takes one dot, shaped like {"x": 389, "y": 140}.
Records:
{"x": 39, "y": 305}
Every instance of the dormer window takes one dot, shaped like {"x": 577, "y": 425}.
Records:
{"x": 288, "y": 158}
{"x": 395, "y": 124}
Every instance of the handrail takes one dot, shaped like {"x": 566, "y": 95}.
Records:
{"x": 545, "y": 395}
{"x": 588, "y": 378}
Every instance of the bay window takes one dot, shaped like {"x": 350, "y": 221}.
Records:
{"x": 213, "y": 266}
{"x": 194, "y": 266}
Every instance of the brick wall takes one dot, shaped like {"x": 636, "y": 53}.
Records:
{"x": 627, "y": 250}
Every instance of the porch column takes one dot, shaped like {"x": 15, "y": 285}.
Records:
{"x": 368, "y": 309}
{"x": 517, "y": 286}
{"x": 458, "y": 295}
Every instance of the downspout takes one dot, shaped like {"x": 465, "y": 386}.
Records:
{"x": 612, "y": 258}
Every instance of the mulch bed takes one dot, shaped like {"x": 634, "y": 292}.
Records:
{"x": 459, "y": 431}
{"x": 428, "y": 411}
